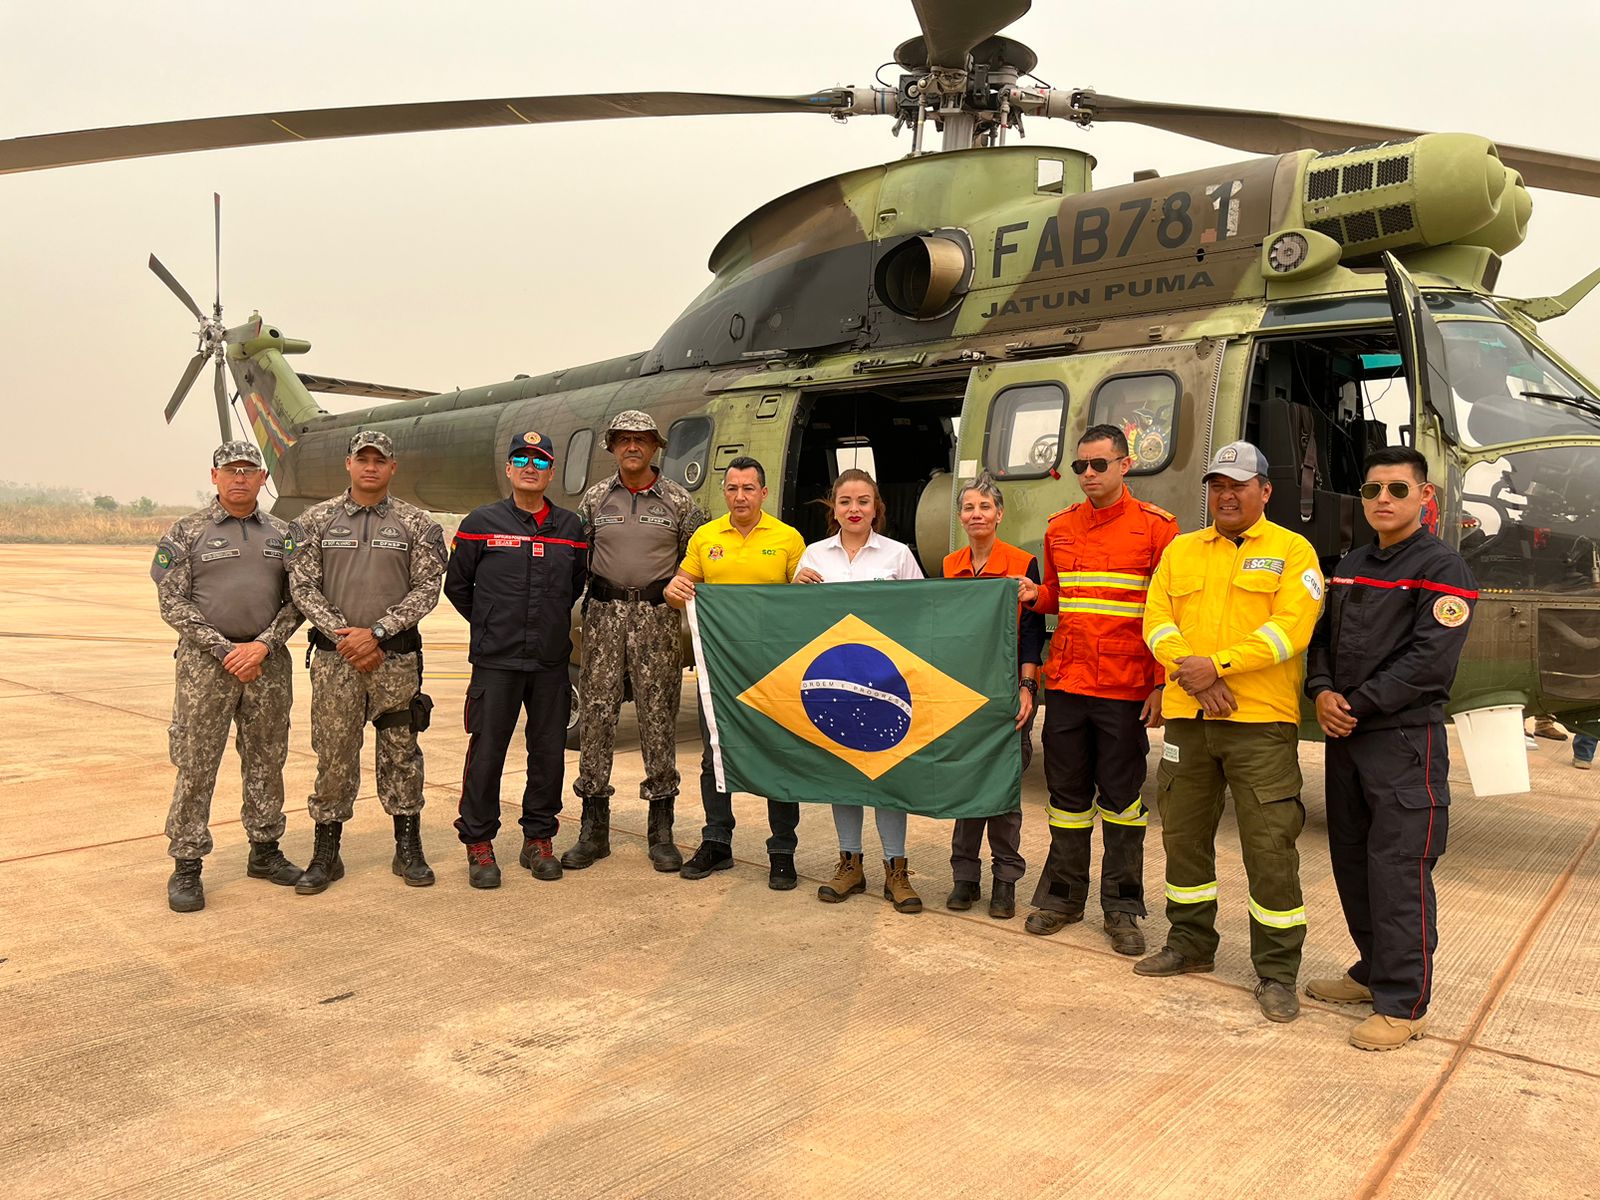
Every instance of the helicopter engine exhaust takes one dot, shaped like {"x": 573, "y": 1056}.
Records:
{"x": 925, "y": 276}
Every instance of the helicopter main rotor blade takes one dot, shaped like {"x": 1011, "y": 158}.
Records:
{"x": 221, "y": 390}
{"x": 177, "y": 289}
{"x": 259, "y": 129}
{"x": 951, "y": 28}
{"x": 1281, "y": 133}
{"x": 216, "y": 201}
{"x": 190, "y": 374}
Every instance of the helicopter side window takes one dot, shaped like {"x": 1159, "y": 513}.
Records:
{"x": 1145, "y": 408}
{"x": 575, "y": 467}
{"x": 1025, "y": 427}
{"x": 688, "y": 443}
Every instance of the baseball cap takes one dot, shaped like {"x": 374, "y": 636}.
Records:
{"x": 232, "y": 452}
{"x": 532, "y": 442}
{"x": 381, "y": 442}
{"x": 1238, "y": 460}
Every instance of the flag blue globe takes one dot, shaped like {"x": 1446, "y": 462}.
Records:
{"x": 856, "y": 697}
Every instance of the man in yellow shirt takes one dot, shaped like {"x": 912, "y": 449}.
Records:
{"x": 1229, "y": 616}
{"x": 746, "y": 546}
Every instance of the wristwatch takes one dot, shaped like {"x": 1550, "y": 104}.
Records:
{"x": 379, "y": 632}
{"x": 1031, "y": 684}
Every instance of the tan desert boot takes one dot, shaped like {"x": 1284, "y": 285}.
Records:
{"x": 1343, "y": 990}
{"x": 1379, "y": 1032}
{"x": 897, "y": 886}
{"x": 847, "y": 880}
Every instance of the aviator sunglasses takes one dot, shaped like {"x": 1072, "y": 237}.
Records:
{"x": 1100, "y": 465}
{"x": 1398, "y": 488}
{"x": 537, "y": 461}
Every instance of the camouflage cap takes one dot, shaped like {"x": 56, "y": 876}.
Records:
{"x": 631, "y": 420}
{"x": 232, "y": 452}
{"x": 381, "y": 442}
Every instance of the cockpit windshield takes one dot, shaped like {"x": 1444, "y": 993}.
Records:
{"x": 1506, "y": 389}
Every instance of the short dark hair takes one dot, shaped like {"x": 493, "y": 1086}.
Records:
{"x": 745, "y": 463}
{"x": 1107, "y": 433}
{"x": 1397, "y": 456}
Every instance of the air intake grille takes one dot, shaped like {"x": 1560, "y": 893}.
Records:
{"x": 1361, "y": 227}
{"x": 1357, "y": 177}
{"x": 1397, "y": 218}
{"x": 1322, "y": 185}
{"x": 1330, "y": 228}
{"x": 1393, "y": 170}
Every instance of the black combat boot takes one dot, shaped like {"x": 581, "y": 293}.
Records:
{"x": 267, "y": 862}
{"x": 325, "y": 865}
{"x": 185, "y": 892}
{"x": 482, "y": 870}
{"x": 664, "y": 854}
{"x": 408, "y": 861}
{"x": 594, "y": 836}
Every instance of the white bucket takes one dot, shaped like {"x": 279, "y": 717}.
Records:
{"x": 1497, "y": 756}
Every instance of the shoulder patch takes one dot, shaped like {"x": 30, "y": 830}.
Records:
{"x": 1313, "y": 584}
{"x": 1155, "y": 510}
{"x": 1061, "y": 512}
{"x": 1451, "y": 611}
{"x": 166, "y": 555}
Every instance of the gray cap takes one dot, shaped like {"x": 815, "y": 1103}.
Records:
{"x": 631, "y": 420}
{"x": 380, "y": 442}
{"x": 232, "y": 452}
{"x": 1238, "y": 460}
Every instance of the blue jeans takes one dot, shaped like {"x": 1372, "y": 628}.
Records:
{"x": 848, "y": 819}
{"x": 1583, "y": 745}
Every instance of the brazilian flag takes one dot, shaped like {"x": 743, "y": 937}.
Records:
{"x": 897, "y": 694}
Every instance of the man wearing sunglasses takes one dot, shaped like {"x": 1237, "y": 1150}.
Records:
{"x": 1229, "y": 616}
{"x": 1381, "y": 663}
{"x": 516, "y": 568}
{"x": 1102, "y": 691}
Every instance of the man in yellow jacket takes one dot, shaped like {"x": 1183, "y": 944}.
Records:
{"x": 1229, "y": 616}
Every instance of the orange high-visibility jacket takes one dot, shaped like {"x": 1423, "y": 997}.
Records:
{"x": 1097, "y": 568}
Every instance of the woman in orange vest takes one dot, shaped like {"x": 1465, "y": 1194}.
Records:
{"x": 981, "y": 507}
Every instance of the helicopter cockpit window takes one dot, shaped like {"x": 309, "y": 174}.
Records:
{"x": 1025, "y": 425}
{"x": 1145, "y": 408}
{"x": 575, "y": 467}
{"x": 688, "y": 445}
{"x": 1506, "y": 389}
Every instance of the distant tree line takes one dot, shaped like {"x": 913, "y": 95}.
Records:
{"x": 42, "y": 495}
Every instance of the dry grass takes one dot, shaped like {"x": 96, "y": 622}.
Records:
{"x": 22, "y": 522}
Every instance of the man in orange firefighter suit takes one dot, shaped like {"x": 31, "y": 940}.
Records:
{"x": 1102, "y": 691}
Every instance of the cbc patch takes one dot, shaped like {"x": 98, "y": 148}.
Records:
{"x": 1451, "y": 611}
{"x": 531, "y": 437}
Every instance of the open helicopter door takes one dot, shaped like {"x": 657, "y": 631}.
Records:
{"x": 1491, "y": 735}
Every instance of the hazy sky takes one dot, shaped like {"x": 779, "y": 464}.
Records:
{"x": 453, "y": 259}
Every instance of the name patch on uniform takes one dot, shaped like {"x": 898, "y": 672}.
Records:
{"x": 1451, "y": 611}
{"x": 269, "y": 552}
{"x": 213, "y": 555}
{"x": 664, "y": 522}
{"x": 609, "y": 519}
{"x": 387, "y": 544}
{"x": 1275, "y": 565}
{"x": 538, "y": 549}
{"x": 339, "y": 543}
{"x": 500, "y": 542}
{"x": 1313, "y": 584}
{"x": 1169, "y": 752}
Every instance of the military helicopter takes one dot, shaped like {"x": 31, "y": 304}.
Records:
{"x": 977, "y": 305}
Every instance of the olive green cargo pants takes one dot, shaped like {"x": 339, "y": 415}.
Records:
{"x": 1259, "y": 763}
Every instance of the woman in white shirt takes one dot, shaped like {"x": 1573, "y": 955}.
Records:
{"x": 859, "y": 551}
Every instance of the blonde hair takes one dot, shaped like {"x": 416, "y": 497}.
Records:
{"x": 855, "y": 475}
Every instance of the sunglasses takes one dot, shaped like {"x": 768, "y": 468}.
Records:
{"x": 1100, "y": 465}
{"x": 1398, "y": 488}
{"x": 537, "y": 461}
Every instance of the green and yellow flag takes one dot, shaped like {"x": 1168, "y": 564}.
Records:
{"x": 897, "y": 694}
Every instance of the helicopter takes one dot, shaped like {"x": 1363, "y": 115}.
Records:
{"x": 976, "y": 305}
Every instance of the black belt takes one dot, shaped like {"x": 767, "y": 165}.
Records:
{"x": 650, "y": 593}
{"x": 407, "y": 641}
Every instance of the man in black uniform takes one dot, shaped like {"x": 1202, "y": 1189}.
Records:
{"x": 515, "y": 570}
{"x": 1380, "y": 666}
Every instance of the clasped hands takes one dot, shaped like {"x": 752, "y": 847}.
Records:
{"x": 1197, "y": 675}
{"x": 359, "y": 648}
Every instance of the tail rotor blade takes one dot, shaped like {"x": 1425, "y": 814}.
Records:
{"x": 216, "y": 201}
{"x": 190, "y": 374}
{"x": 177, "y": 290}
{"x": 224, "y": 424}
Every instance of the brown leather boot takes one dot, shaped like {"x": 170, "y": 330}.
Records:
{"x": 848, "y": 879}
{"x": 897, "y": 886}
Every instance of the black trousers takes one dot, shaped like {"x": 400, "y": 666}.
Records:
{"x": 783, "y": 816}
{"x": 1388, "y": 815}
{"x": 1094, "y": 762}
{"x": 495, "y": 699}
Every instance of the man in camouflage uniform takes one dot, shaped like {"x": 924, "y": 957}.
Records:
{"x": 638, "y": 523}
{"x": 220, "y": 582}
{"x": 364, "y": 568}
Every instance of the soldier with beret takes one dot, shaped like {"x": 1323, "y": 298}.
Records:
{"x": 364, "y": 568}
{"x": 516, "y": 568}
{"x": 638, "y": 523}
{"x": 220, "y": 582}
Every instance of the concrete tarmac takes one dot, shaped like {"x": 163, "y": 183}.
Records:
{"x": 626, "y": 1033}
